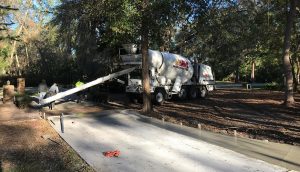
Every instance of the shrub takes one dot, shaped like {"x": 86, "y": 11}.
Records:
{"x": 273, "y": 86}
{"x": 22, "y": 100}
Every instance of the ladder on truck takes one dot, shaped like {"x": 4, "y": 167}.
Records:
{"x": 85, "y": 86}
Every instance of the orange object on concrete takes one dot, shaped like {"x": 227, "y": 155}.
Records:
{"x": 115, "y": 153}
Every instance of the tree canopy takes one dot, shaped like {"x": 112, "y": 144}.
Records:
{"x": 64, "y": 40}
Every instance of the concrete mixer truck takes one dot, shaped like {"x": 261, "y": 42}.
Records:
{"x": 170, "y": 75}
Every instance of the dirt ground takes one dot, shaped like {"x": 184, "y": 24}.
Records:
{"x": 28, "y": 143}
{"x": 257, "y": 114}
{"x": 33, "y": 145}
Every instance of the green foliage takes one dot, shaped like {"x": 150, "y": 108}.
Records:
{"x": 22, "y": 100}
{"x": 3, "y": 65}
{"x": 83, "y": 36}
{"x": 273, "y": 86}
{"x": 92, "y": 31}
{"x": 229, "y": 35}
{"x": 52, "y": 64}
{"x": 4, "y": 52}
{"x": 270, "y": 70}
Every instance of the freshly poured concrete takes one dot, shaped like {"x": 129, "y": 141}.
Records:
{"x": 151, "y": 145}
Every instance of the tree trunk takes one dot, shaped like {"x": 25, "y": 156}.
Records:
{"x": 297, "y": 71}
{"x": 253, "y": 71}
{"x": 27, "y": 56}
{"x": 18, "y": 65}
{"x": 293, "y": 61}
{"x": 147, "y": 106}
{"x": 14, "y": 45}
{"x": 237, "y": 74}
{"x": 289, "y": 98}
{"x": 297, "y": 74}
{"x": 15, "y": 42}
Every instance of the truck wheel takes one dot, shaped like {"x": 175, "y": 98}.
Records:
{"x": 203, "y": 92}
{"x": 132, "y": 98}
{"x": 193, "y": 94}
{"x": 159, "y": 97}
{"x": 182, "y": 93}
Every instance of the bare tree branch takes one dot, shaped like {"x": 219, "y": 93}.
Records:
{"x": 7, "y": 24}
{"x": 7, "y": 7}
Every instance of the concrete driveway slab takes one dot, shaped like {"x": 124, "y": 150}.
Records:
{"x": 148, "y": 144}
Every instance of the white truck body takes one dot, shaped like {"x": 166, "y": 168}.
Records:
{"x": 206, "y": 77}
{"x": 170, "y": 74}
{"x": 169, "y": 69}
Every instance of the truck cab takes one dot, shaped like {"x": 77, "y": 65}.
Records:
{"x": 206, "y": 77}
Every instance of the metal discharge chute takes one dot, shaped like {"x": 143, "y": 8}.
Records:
{"x": 85, "y": 86}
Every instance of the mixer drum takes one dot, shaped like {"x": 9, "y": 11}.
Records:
{"x": 171, "y": 66}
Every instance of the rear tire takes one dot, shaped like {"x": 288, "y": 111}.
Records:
{"x": 203, "y": 92}
{"x": 159, "y": 97}
{"x": 193, "y": 94}
{"x": 182, "y": 95}
{"x": 133, "y": 98}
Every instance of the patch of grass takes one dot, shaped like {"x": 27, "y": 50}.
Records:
{"x": 26, "y": 168}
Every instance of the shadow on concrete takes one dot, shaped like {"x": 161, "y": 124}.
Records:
{"x": 240, "y": 145}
